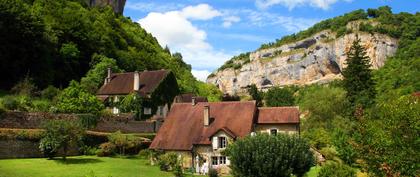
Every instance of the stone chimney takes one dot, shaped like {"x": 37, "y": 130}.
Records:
{"x": 108, "y": 76}
{"x": 136, "y": 81}
{"x": 206, "y": 115}
{"x": 193, "y": 101}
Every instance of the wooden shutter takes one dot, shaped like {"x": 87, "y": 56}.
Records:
{"x": 215, "y": 142}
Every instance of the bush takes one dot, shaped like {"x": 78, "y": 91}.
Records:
{"x": 88, "y": 121}
{"x": 178, "y": 170}
{"x": 50, "y": 92}
{"x": 2, "y": 111}
{"x": 282, "y": 155}
{"x": 88, "y": 150}
{"x": 277, "y": 96}
{"x": 59, "y": 134}
{"x": 41, "y": 105}
{"x": 75, "y": 99}
{"x": 213, "y": 173}
{"x": 333, "y": 169}
{"x": 25, "y": 87}
{"x": 125, "y": 142}
{"x": 10, "y": 102}
{"x": 106, "y": 149}
{"x": 168, "y": 161}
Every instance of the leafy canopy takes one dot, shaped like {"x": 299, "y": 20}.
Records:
{"x": 264, "y": 155}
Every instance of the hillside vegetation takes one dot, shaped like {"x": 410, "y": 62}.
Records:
{"x": 56, "y": 41}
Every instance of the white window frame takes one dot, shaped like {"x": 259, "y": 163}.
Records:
{"x": 147, "y": 111}
{"x": 222, "y": 160}
{"x": 275, "y": 130}
{"x": 222, "y": 142}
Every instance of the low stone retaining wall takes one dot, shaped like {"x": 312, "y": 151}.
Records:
{"x": 15, "y": 148}
{"x": 123, "y": 123}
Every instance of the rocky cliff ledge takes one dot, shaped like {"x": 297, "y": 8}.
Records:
{"x": 117, "y": 5}
{"x": 317, "y": 59}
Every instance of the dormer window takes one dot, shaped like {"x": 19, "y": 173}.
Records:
{"x": 222, "y": 142}
{"x": 273, "y": 131}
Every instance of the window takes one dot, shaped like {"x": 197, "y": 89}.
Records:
{"x": 222, "y": 142}
{"x": 147, "y": 111}
{"x": 222, "y": 160}
{"x": 214, "y": 160}
{"x": 218, "y": 160}
{"x": 273, "y": 131}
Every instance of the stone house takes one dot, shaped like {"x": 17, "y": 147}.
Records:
{"x": 157, "y": 88}
{"x": 199, "y": 131}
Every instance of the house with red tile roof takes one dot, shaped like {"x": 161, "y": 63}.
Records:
{"x": 157, "y": 88}
{"x": 199, "y": 131}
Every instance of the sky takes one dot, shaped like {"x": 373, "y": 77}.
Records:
{"x": 209, "y": 32}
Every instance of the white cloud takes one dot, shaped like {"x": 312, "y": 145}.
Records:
{"x": 152, "y": 6}
{"x": 200, "y": 12}
{"x": 323, "y": 4}
{"x": 290, "y": 24}
{"x": 228, "y": 21}
{"x": 175, "y": 30}
{"x": 201, "y": 74}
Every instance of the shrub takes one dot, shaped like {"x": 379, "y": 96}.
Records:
{"x": 282, "y": 155}
{"x": 88, "y": 121}
{"x": 106, "y": 149}
{"x": 124, "y": 142}
{"x": 25, "y": 87}
{"x": 75, "y": 99}
{"x": 277, "y": 96}
{"x": 50, "y": 92}
{"x": 333, "y": 169}
{"x": 213, "y": 173}
{"x": 168, "y": 161}
{"x": 88, "y": 150}
{"x": 2, "y": 111}
{"x": 59, "y": 134}
{"x": 10, "y": 102}
{"x": 178, "y": 170}
{"x": 41, "y": 105}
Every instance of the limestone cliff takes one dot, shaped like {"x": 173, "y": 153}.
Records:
{"x": 117, "y": 5}
{"x": 317, "y": 59}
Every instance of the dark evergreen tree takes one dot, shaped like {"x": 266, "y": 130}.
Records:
{"x": 255, "y": 94}
{"x": 358, "y": 80}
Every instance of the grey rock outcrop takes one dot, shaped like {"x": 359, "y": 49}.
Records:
{"x": 117, "y": 5}
{"x": 317, "y": 59}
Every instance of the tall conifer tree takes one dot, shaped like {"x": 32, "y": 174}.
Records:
{"x": 358, "y": 80}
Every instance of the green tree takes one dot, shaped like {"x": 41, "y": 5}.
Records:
{"x": 132, "y": 103}
{"x": 388, "y": 137}
{"x": 264, "y": 155}
{"x": 256, "y": 94}
{"x": 60, "y": 134}
{"x": 358, "y": 80}
{"x": 95, "y": 77}
{"x": 76, "y": 99}
{"x": 277, "y": 96}
{"x": 334, "y": 169}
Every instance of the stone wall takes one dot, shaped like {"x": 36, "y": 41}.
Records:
{"x": 14, "y": 148}
{"x": 124, "y": 123}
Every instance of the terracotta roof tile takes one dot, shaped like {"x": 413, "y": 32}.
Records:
{"x": 123, "y": 83}
{"x": 273, "y": 115}
{"x": 184, "y": 125}
{"x": 187, "y": 98}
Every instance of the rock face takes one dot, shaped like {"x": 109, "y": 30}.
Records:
{"x": 317, "y": 59}
{"x": 117, "y": 5}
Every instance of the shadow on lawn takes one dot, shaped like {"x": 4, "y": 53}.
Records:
{"x": 77, "y": 160}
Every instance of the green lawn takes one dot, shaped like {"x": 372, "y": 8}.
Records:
{"x": 87, "y": 166}
{"x": 80, "y": 166}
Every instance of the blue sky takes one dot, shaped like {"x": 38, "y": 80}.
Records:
{"x": 209, "y": 32}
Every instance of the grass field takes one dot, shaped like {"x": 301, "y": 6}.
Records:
{"x": 87, "y": 166}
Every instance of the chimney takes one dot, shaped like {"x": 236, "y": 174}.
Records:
{"x": 136, "y": 81}
{"x": 193, "y": 102}
{"x": 108, "y": 76}
{"x": 206, "y": 115}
